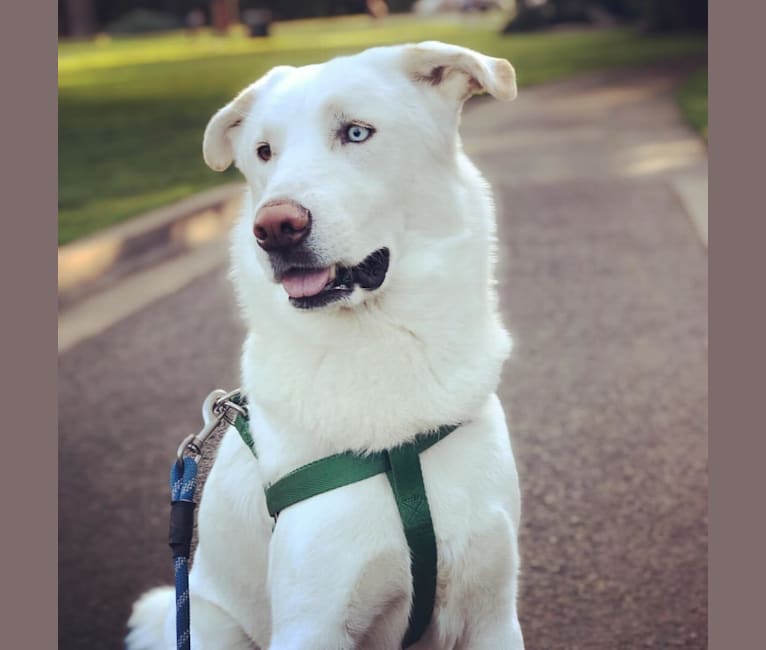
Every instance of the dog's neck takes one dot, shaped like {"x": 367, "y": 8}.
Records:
{"x": 376, "y": 383}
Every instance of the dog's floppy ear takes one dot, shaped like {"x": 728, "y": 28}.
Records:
{"x": 218, "y": 143}
{"x": 458, "y": 71}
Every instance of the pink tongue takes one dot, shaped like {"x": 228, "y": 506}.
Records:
{"x": 306, "y": 283}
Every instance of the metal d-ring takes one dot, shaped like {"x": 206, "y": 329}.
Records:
{"x": 228, "y": 401}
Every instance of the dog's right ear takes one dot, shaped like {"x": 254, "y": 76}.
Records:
{"x": 217, "y": 143}
{"x": 221, "y": 130}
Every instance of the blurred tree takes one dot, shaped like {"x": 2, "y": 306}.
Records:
{"x": 223, "y": 13}
{"x": 80, "y": 17}
{"x": 672, "y": 15}
{"x": 290, "y": 9}
{"x": 377, "y": 8}
{"x": 107, "y": 11}
{"x": 656, "y": 15}
{"x": 399, "y": 6}
{"x": 661, "y": 15}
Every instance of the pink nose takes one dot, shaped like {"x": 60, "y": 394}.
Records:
{"x": 281, "y": 224}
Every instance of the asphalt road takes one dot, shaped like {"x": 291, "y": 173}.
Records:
{"x": 603, "y": 281}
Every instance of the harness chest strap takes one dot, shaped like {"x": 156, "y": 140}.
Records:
{"x": 402, "y": 467}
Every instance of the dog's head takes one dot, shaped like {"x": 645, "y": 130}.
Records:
{"x": 355, "y": 173}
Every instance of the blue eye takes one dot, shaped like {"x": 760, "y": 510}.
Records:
{"x": 357, "y": 133}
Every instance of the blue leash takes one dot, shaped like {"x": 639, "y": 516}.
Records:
{"x": 183, "y": 483}
{"x": 218, "y": 408}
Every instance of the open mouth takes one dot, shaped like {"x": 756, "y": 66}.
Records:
{"x": 309, "y": 288}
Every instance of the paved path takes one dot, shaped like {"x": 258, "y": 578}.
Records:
{"x": 604, "y": 286}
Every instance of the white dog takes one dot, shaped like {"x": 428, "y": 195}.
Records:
{"x": 363, "y": 262}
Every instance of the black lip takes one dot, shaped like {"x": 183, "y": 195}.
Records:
{"x": 327, "y": 296}
{"x": 371, "y": 271}
{"x": 369, "y": 274}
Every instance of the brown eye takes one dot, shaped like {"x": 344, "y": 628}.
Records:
{"x": 264, "y": 152}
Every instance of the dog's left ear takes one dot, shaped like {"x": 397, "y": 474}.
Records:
{"x": 459, "y": 72}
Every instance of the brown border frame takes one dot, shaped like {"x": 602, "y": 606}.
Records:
{"x": 737, "y": 532}
{"x": 29, "y": 474}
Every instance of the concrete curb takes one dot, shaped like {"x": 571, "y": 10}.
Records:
{"x": 89, "y": 264}
{"x": 692, "y": 190}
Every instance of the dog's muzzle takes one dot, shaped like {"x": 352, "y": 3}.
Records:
{"x": 310, "y": 286}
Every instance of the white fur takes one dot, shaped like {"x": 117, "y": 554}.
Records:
{"x": 368, "y": 373}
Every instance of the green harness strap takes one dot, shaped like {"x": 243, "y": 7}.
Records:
{"x": 402, "y": 467}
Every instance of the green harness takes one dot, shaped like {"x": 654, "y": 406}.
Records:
{"x": 402, "y": 467}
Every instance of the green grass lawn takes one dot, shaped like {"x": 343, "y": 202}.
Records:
{"x": 132, "y": 110}
{"x": 692, "y": 97}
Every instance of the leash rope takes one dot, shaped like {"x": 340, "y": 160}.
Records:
{"x": 217, "y": 410}
{"x": 183, "y": 484}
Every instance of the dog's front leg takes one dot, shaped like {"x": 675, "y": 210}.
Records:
{"x": 499, "y": 630}
{"x": 492, "y": 588}
{"x": 308, "y": 603}
{"x": 339, "y": 572}
{"x": 213, "y": 629}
